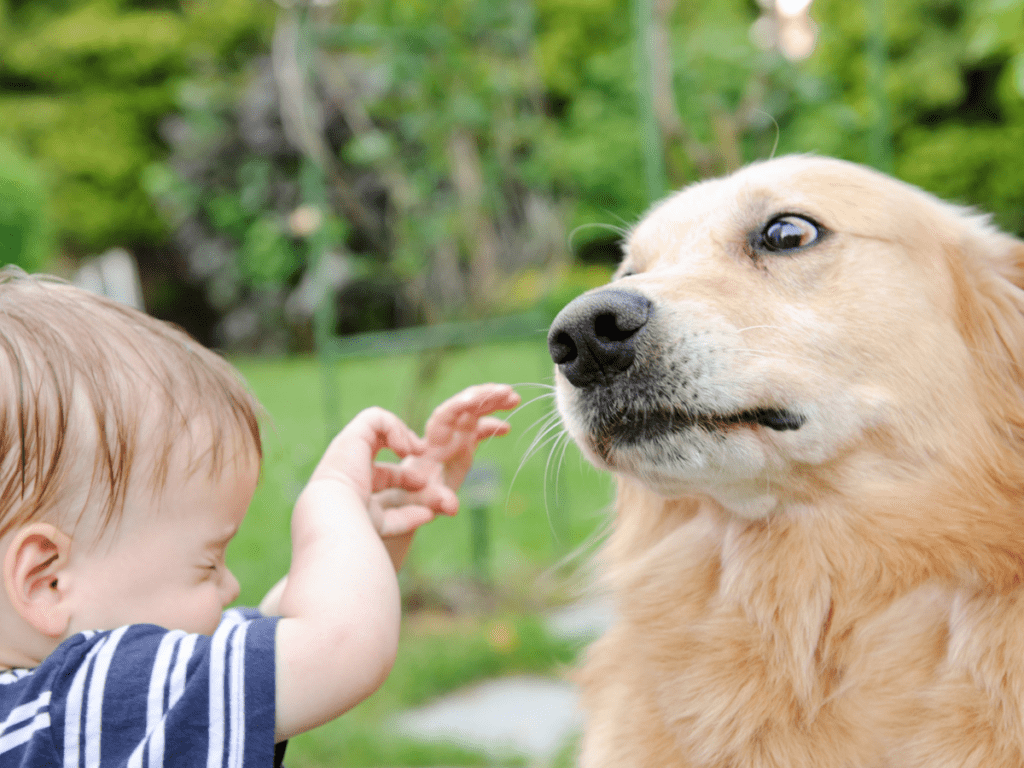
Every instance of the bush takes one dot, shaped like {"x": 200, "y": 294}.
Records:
{"x": 84, "y": 87}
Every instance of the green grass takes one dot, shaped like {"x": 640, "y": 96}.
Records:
{"x": 549, "y": 504}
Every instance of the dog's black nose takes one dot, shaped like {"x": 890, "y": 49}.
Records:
{"x": 594, "y": 337}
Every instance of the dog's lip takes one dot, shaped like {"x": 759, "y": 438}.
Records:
{"x": 778, "y": 419}
{"x": 772, "y": 417}
{"x": 639, "y": 425}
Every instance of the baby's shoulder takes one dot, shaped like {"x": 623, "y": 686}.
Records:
{"x": 121, "y": 684}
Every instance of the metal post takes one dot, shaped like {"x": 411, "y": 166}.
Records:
{"x": 479, "y": 489}
{"x": 877, "y": 55}
{"x": 313, "y": 191}
{"x": 325, "y": 317}
{"x": 650, "y": 135}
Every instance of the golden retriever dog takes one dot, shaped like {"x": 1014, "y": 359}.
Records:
{"x": 808, "y": 380}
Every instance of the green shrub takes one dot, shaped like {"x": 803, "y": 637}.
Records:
{"x": 85, "y": 86}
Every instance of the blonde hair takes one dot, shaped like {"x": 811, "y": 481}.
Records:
{"x": 82, "y": 374}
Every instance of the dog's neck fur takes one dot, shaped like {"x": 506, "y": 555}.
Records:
{"x": 796, "y": 607}
{"x": 902, "y": 537}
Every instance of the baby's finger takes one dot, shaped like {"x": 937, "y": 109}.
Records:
{"x": 402, "y": 520}
{"x": 391, "y": 432}
{"x": 487, "y": 398}
{"x": 354, "y": 448}
{"x": 406, "y": 477}
{"x": 471, "y": 403}
{"x": 437, "y": 497}
{"x": 382, "y": 429}
{"x": 491, "y": 427}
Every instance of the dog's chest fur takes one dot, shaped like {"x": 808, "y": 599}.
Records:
{"x": 779, "y": 644}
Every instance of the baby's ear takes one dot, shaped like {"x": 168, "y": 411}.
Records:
{"x": 32, "y": 566}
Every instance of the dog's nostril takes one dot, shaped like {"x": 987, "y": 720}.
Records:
{"x": 610, "y": 327}
{"x": 562, "y": 348}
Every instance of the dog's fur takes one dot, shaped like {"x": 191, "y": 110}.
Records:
{"x": 845, "y": 588}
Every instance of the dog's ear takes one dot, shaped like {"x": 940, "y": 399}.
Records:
{"x": 1015, "y": 259}
{"x": 1003, "y": 252}
{"x": 989, "y": 275}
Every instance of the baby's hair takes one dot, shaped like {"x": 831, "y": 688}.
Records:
{"x": 89, "y": 387}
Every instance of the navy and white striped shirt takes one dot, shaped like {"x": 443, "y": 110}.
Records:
{"x": 143, "y": 697}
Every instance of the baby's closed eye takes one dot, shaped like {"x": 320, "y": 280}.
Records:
{"x": 207, "y": 569}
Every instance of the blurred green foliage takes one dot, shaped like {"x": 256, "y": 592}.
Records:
{"x": 953, "y": 87}
{"x": 455, "y": 131}
{"x": 24, "y": 223}
{"x": 84, "y": 85}
{"x": 954, "y": 81}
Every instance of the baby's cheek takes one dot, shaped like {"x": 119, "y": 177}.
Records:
{"x": 207, "y": 609}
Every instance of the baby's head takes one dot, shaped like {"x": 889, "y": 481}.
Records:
{"x": 120, "y": 437}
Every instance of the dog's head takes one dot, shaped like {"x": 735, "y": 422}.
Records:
{"x": 803, "y": 322}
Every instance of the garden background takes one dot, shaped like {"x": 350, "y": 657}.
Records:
{"x": 444, "y": 175}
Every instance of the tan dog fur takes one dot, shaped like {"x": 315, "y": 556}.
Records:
{"x": 849, "y": 593}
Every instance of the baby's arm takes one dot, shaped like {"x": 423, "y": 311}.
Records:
{"x": 340, "y": 607}
{"x": 351, "y": 528}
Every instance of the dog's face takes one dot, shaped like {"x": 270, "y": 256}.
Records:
{"x": 771, "y": 330}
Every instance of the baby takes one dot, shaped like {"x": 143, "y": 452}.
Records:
{"x": 128, "y": 458}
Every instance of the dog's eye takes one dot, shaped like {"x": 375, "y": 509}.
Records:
{"x": 787, "y": 233}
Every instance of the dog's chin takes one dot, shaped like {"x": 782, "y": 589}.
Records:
{"x": 730, "y": 471}
{"x": 722, "y": 456}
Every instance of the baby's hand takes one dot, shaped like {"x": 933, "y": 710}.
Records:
{"x": 406, "y": 496}
{"x": 348, "y": 468}
{"x": 458, "y": 425}
{"x": 349, "y": 459}
{"x": 454, "y": 430}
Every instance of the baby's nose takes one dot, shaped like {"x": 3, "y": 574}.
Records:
{"x": 229, "y": 589}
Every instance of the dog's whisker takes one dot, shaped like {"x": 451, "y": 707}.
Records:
{"x": 534, "y": 384}
{"x": 546, "y": 424}
{"x": 525, "y": 405}
{"x": 539, "y": 398}
{"x": 778, "y": 132}
{"x": 760, "y": 327}
{"x": 547, "y": 473}
{"x": 543, "y": 418}
{"x": 546, "y": 432}
{"x": 547, "y": 501}
{"x": 566, "y": 442}
{"x": 550, "y": 435}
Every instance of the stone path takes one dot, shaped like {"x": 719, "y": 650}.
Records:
{"x": 530, "y": 715}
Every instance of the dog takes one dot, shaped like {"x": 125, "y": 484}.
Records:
{"x": 808, "y": 380}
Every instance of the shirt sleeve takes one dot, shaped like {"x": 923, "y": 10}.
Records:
{"x": 144, "y": 697}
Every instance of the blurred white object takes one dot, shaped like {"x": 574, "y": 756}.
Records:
{"x": 792, "y": 8}
{"x": 113, "y": 274}
{"x": 330, "y": 274}
{"x": 786, "y": 26}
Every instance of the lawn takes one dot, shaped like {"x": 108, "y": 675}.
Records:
{"x": 474, "y": 586}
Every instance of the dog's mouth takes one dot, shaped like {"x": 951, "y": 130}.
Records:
{"x": 635, "y": 426}
{"x": 778, "y": 419}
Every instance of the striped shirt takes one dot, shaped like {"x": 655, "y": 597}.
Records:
{"x": 142, "y": 697}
